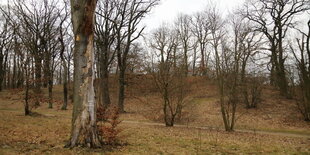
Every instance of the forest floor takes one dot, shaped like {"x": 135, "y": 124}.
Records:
{"x": 275, "y": 127}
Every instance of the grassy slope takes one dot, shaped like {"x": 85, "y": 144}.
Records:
{"x": 47, "y": 133}
{"x": 273, "y": 114}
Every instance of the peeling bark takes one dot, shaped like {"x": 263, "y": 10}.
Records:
{"x": 84, "y": 128}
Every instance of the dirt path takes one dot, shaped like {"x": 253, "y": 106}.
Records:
{"x": 237, "y": 130}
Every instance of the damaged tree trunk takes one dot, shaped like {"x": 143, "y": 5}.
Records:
{"x": 84, "y": 128}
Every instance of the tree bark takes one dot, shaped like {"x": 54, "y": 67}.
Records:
{"x": 1, "y": 70}
{"x": 27, "y": 76}
{"x": 105, "y": 87}
{"x": 64, "y": 65}
{"x": 14, "y": 72}
{"x": 65, "y": 89}
{"x": 5, "y": 74}
{"x": 26, "y": 106}
{"x": 65, "y": 76}
{"x": 38, "y": 66}
{"x": 84, "y": 128}
{"x": 121, "y": 90}
{"x": 50, "y": 92}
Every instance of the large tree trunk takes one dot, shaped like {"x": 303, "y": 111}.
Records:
{"x": 84, "y": 128}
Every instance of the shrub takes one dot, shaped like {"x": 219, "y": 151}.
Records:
{"x": 107, "y": 122}
{"x": 252, "y": 90}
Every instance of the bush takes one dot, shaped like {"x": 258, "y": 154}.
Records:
{"x": 252, "y": 90}
{"x": 107, "y": 122}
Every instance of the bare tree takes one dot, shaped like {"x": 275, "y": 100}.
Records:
{"x": 62, "y": 31}
{"x": 104, "y": 39}
{"x": 303, "y": 65}
{"x": 182, "y": 26}
{"x": 200, "y": 29}
{"x": 49, "y": 43}
{"x": 29, "y": 32}
{"x": 84, "y": 128}
{"x": 168, "y": 73}
{"x": 35, "y": 26}
{"x": 5, "y": 45}
{"x": 273, "y": 19}
{"x": 246, "y": 43}
{"x": 226, "y": 67}
{"x": 131, "y": 12}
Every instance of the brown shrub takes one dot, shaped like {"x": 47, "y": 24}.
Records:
{"x": 108, "y": 121}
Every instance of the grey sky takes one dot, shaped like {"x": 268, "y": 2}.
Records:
{"x": 167, "y": 10}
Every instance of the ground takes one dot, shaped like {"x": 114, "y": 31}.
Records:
{"x": 275, "y": 127}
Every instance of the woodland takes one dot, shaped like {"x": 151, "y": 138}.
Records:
{"x": 88, "y": 77}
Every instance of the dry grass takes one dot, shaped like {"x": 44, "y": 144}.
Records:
{"x": 275, "y": 113}
{"x": 48, "y": 131}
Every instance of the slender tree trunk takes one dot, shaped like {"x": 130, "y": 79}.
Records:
{"x": 222, "y": 103}
{"x": 27, "y": 76}
{"x": 168, "y": 114}
{"x": 48, "y": 79}
{"x": 50, "y": 92}
{"x": 46, "y": 70}
{"x": 1, "y": 70}
{"x": 38, "y": 75}
{"x": 26, "y": 107}
{"x": 105, "y": 88}
{"x": 84, "y": 127}
{"x": 65, "y": 80}
{"x": 20, "y": 77}
{"x": 194, "y": 61}
{"x": 282, "y": 81}
{"x": 104, "y": 75}
{"x": 5, "y": 74}
{"x": 59, "y": 79}
{"x": 65, "y": 89}
{"x": 14, "y": 72}
{"x": 37, "y": 90}
{"x": 202, "y": 62}
{"x": 121, "y": 93}
{"x": 65, "y": 69}
{"x": 8, "y": 73}
{"x": 185, "y": 61}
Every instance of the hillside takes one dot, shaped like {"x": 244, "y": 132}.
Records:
{"x": 275, "y": 127}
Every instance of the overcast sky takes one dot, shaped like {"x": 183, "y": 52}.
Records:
{"x": 167, "y": 10}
